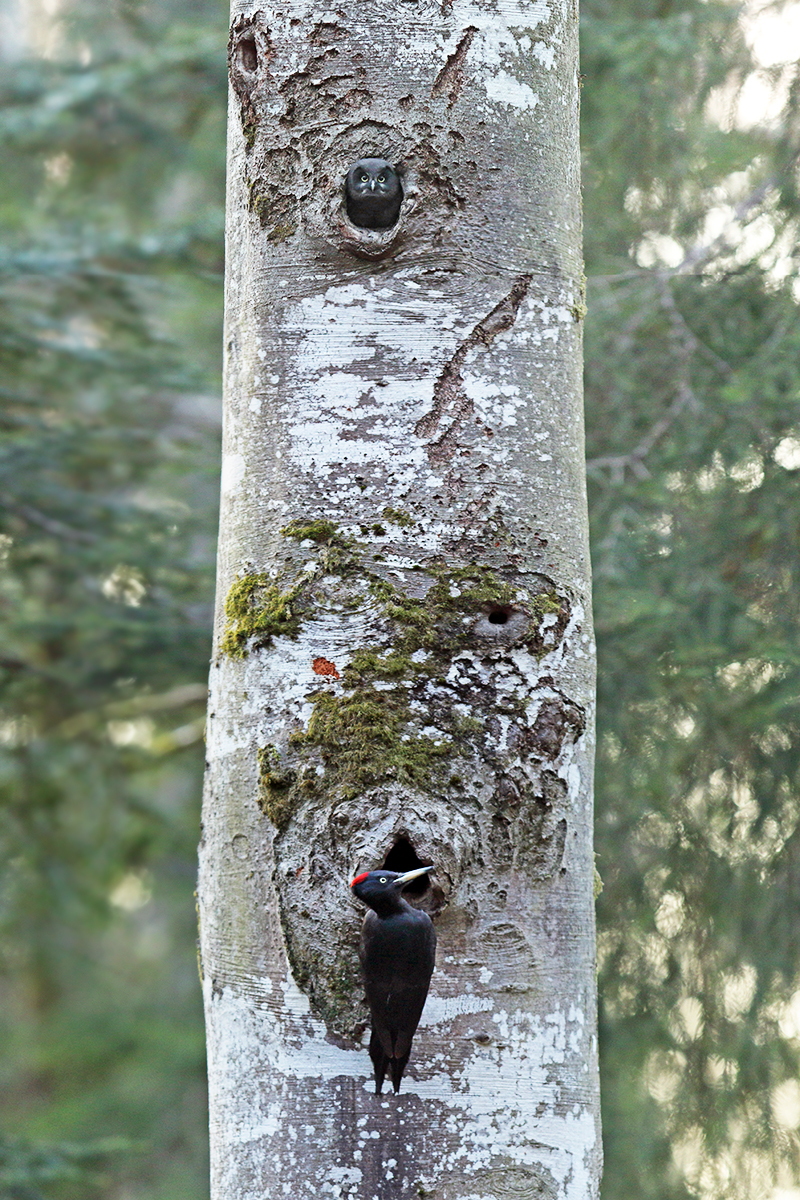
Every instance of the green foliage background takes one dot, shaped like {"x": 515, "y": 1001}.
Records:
{"x": 111, "y": 200}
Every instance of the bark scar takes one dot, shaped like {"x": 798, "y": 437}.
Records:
{"x": 249, "y": 50}
{"x": 451, "y": 404}
{"x": 451, "y": 77}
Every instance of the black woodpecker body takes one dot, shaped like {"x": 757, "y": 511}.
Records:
{"x": 398, "y": 947}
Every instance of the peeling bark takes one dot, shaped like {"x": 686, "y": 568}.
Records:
{"x": 451, "y": 77}
{"x": 450, "y": 401}
{"x": 403, "y": 665}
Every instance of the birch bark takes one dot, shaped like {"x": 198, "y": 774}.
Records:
{"x": 403, "y": 668}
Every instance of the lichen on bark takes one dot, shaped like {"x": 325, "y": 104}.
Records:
{"x": 369, "y": 733}
{"x": 443, "y": 698}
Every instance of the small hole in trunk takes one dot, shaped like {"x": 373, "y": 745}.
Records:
{"x": 247, "y": 55}
{"x": 499, "y": 614}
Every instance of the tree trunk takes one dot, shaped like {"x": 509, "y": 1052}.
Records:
{"x": 403, "y": 667}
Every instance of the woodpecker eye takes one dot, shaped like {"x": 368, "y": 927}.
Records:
{"x": 382, "y": 880}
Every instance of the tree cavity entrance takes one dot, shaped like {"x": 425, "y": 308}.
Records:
{"x": 498, "y": 614}
{"x": 247, "y": 55}
{"x": 403, "y": 857}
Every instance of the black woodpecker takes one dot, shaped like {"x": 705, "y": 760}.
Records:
{"x": 398, "y": 947}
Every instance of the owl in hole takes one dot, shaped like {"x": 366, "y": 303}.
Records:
{"x": 374, "y": 193}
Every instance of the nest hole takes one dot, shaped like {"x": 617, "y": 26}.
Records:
{"x": 499, "y": 613}
{"x": 247, "y": 55}
{"x": 403, "y": 857}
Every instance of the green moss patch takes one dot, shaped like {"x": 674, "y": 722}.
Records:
{"x": 340, "y": 555}
{"x": 436, "y": 622}
{"x": 367, "y": 731}
{"x": 398, "y": 516}
{"x": 275, "y": 786}
{"x": 255, "y": 607}
{"x": 314, "y": 531}
{"x": 364, "y": 738}
{"x": 370, "y": 734}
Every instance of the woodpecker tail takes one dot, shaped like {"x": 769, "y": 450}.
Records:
{"x": 397, "y": 1066}
{"x": 380, "y": 1061}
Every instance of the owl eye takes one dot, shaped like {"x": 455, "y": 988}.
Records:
{"x": 365, "y": 178}
{"x": 381, "y": 179}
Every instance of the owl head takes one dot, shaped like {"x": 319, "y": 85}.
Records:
{"x": 374, "y": 193}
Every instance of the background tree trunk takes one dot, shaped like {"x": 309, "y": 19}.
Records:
{"x": 403, "y": 666}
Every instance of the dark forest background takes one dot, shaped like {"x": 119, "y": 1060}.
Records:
{"x": 112, "y": 127}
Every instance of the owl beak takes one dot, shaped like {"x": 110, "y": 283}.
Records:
{"x": 372, "y": 185}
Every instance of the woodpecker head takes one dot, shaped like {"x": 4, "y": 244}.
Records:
{"x": 381, "y": 889}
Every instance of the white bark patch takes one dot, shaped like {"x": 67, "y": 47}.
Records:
{"x": 502, "y": 1107}
{"x": 260, "y": 1037}
{"x": 506, "y": 89}
{"x": 495, "y": 29}
{"x": 232, "y": 474}
{"x": 545, "y": 54}
{"x": 495, "y": 403}
{"x": 343, "y": 418}
{"x": 439, "y": 1009}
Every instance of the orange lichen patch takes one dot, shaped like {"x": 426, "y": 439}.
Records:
{"x": 322, "y": 666}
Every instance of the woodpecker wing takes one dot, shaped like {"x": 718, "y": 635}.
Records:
{"x": 397, "y": 958}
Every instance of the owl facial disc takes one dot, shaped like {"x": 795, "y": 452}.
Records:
{"x": 373, "y": 194}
